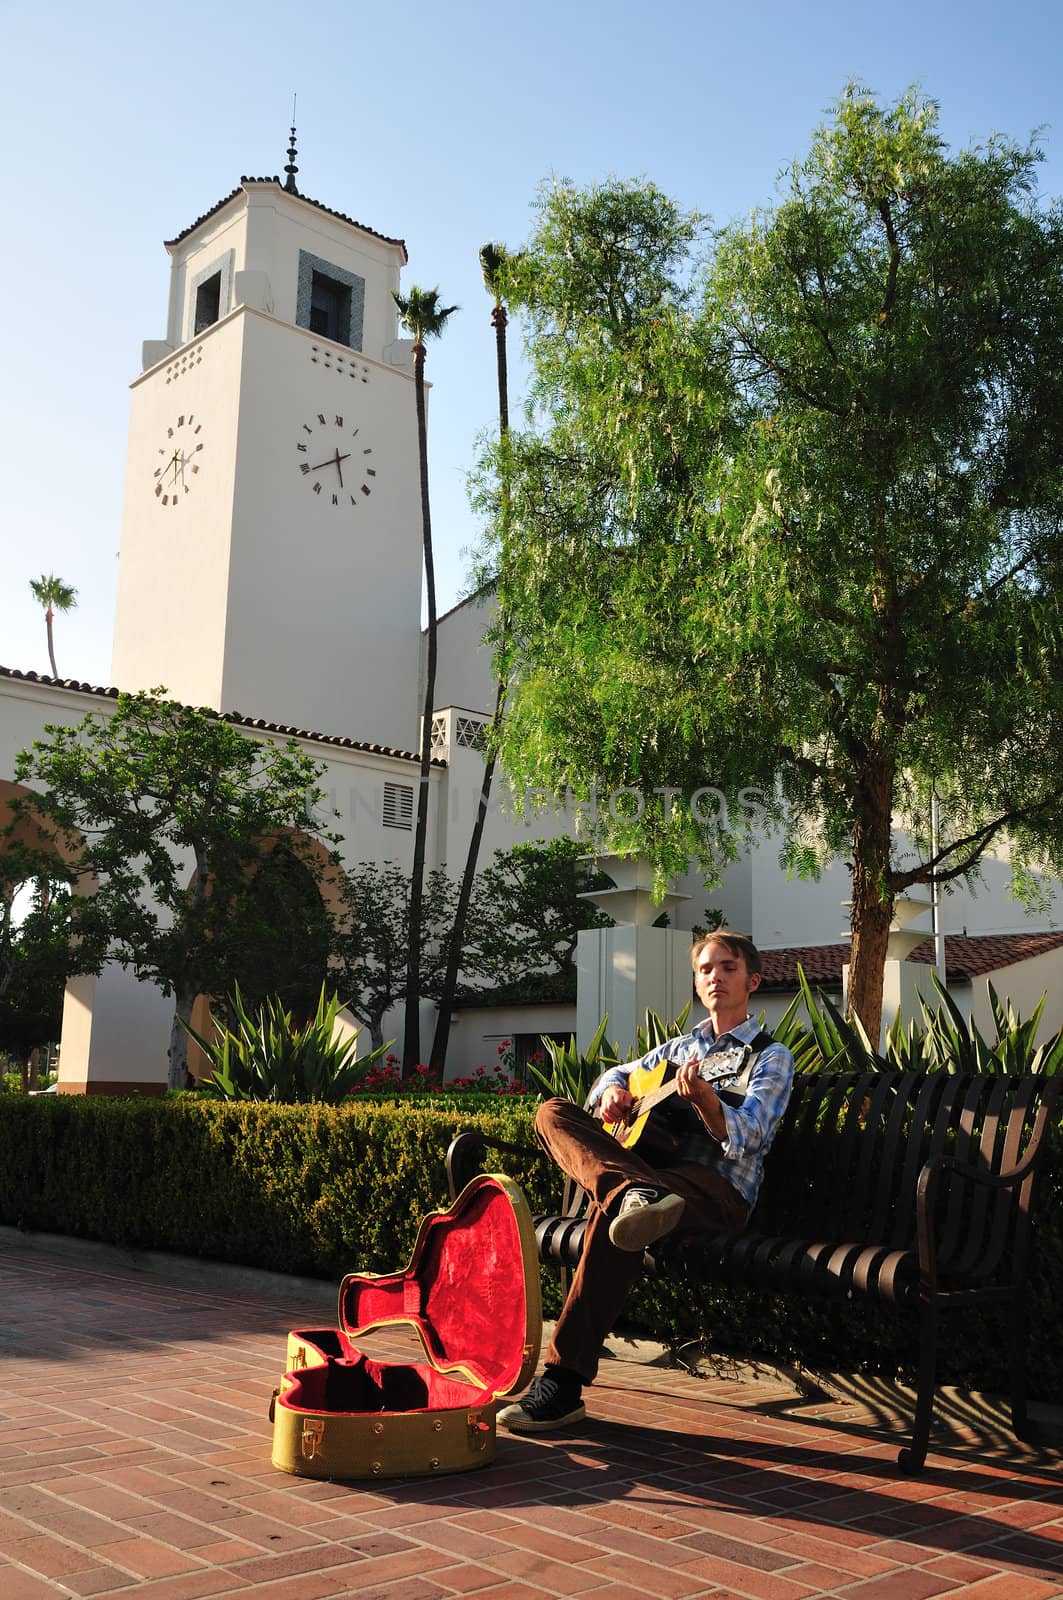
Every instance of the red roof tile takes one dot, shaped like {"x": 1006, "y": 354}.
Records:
{"x": 965, "y": 958}
{"x": 234, "y": 717}
{"x": 224, "y": 201}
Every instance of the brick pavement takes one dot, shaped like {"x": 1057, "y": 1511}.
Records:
{"x": 134, "y": 1457}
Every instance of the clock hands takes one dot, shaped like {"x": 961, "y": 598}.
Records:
{"x": 180, "y": 457}
{"x": 358, "y": 475}
{"x": 333, "y": 461}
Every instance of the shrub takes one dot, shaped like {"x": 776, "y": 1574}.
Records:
{"x": 268, "y": 1056}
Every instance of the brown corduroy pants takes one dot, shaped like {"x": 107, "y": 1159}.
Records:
{"x": 604, "y": 1168}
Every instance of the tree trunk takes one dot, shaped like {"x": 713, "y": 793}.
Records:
{"x": 177, "y": 1077}
{"x": 411, "y": 1042}
{"x": 441, "y": 1040}
{"x": 51, "y": 645}
{"x": 873, "y": 896}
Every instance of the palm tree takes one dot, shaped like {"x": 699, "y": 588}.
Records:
{"x": 53, "y": 595}
{"x": 424, "y": 318}
{"x": 493, "y": 258}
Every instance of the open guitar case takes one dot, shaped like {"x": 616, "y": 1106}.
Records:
{"x": 471, "y": 1292}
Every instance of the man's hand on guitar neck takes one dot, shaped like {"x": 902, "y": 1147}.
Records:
{"x": 690, "y": 1085}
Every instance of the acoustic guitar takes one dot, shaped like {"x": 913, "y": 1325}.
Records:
{"x": 653, "y": 1086}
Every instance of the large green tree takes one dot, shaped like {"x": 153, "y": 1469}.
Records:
{"x": 531, "y": 912}
{"x": 371, "y": 945}
{"x": 178, "y": 811}
{"x": 423, "y": 318}
{"x": 788, "y": 528}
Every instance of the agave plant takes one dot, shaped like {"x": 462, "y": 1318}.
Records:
{"x": 655, "y": 1031}
{"x": 270, "y": 1056}
{"x": 829, "y": 1041}
{"x": 570, "y": 1073}
{"x": 955, "y": 1045}
{"x": 943, "y": 1040}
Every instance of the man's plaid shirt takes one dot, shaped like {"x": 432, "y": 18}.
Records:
{"x": 751, "y": 1125}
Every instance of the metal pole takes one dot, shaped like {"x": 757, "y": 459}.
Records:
{"x": 935, "y": 895}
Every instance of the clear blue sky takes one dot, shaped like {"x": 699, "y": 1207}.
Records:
{"x": 124, "y": 122}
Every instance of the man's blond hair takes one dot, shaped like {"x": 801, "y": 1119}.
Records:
{"x": 739, "y": 944}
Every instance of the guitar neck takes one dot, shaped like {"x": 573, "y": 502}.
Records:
{"x": 706, "y": 1072}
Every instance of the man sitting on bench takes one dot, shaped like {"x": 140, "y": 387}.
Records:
{"x": 702, "y": 1173}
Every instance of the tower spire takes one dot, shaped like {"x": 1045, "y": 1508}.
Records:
{"x": 291, "y": 169}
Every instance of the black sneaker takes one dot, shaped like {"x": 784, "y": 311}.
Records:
{"x": 550, "y": 1403}
{"x": 645, "y": 1216}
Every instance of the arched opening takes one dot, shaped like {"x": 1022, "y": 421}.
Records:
{"x": 291, "y": 898}
{"x": 38, "y": 886}
{"x": 292, "y": 943}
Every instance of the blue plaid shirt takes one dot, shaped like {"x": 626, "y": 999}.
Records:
{"x": 751, "y": 1125}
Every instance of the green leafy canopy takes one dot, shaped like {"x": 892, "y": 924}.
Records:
{"x": 785, "y": 515}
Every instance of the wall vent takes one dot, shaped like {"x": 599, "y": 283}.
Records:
{"x": 398, "y": 806}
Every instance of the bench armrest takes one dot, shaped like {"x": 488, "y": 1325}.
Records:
{"x": 465, "y": 1156}
{"x": 927, "y": 1188}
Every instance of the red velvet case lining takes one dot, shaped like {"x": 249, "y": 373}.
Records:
{"x": 465, "y": 1293}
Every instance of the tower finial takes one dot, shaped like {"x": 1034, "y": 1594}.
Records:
{"x": 291, "y": 169}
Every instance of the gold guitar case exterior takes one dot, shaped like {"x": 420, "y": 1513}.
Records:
{"x": 471, "y": 1290}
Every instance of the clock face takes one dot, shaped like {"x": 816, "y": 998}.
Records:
{"x": 178, "y": 461}
{"x": 335, "y": 461}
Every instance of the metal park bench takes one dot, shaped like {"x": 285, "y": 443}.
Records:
{"x": 912, "y": 1189}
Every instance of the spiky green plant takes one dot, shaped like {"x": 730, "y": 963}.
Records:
{"x": 570, "y": 1072}
{"x": 943, "y": 1040}
{"x": 269, "y": 1056}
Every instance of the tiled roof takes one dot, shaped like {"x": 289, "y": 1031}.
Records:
{"x": 534, "y": 989}
{"x": 234, "y": 717}
{"x": 342, "y": 217}
{"x": 965, "y": 957}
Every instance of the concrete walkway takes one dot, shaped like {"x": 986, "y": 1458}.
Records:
{"x": 135, "y": 1457}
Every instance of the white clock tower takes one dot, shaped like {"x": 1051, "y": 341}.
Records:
{"x": 271, "y": 541}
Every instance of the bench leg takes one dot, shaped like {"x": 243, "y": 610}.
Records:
{"x": 913, "y": 1455}
{"x": 1020, "y": 1422}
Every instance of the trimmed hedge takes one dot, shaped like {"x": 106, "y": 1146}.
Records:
{"x": 320, "y": 1191}
{"x": 307, "y": 1189}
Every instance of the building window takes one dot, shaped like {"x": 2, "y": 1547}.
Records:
{"x": 208, "y": 303}
{"x": 330, "y": 301}
{"x": 330, "y": 308}
{"x": 209, "y": 294}
{"x": 440, "y": 742}
{"x": 398, "y": 806}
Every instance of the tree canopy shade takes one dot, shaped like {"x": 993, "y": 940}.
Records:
{"x": 178, "y": 810}
{"x": 37, "y": 956}
{"x": 371, "y": 943}
{"x": 786, "y": 522}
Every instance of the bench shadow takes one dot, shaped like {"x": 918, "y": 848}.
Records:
{"x": 653, "y": 1468}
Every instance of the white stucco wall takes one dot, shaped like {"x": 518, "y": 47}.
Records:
{"x": 254, "y": 593}
{"x": 1023, "y": 984}
{"x": 478, "y": 1031}
{"x": 265, "y": 228}
{"x": 173, "y": 566}
{"x": 464, "y": 672}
